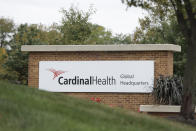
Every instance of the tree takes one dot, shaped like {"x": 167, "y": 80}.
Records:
{"x": 3, "y": 55}
{"x": 99, "y": 35}
{"x": 153, "y": 30}
{"x": 54, "y": 36}
{"x": 122, "y": 39}
{"x": 17, "y": 61}
{"x": 185, "y": 12}
{"x": 6, "y": 28}
{"x": 75, "y": 26}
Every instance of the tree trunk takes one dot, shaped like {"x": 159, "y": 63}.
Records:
{"x": 188, "y": 100}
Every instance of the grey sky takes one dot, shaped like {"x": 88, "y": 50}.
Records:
{"x": 111, "y": 14}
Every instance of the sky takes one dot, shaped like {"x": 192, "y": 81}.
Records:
{"x": 111, "y": 14}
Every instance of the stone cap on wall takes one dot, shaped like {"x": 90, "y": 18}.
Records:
{"x": 160, "y": 108}
{"x": 115, "y": 47}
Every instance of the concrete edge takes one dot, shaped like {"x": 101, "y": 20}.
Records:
{"x": 160, "y": 108}
{"x": 122, "y": 47}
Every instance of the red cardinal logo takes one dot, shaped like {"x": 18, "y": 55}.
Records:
{"x": 56, "y": 73}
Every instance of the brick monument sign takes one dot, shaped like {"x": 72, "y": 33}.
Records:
{"x": 118, "y": 75}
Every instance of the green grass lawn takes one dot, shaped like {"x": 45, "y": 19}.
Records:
{"x": 23, "y": 108}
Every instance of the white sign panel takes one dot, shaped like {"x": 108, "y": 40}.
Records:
{"x": 96, "y": 76}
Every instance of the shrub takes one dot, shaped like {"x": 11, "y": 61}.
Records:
{"x": 168, "y": 90}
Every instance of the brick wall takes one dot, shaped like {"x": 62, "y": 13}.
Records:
{"x": 163, "y": 66}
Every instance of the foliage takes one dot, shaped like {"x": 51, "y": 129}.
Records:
{"x": 99, "y": 35}
{"x": 29, "y": 109}
{"x": 168, "y": 90}
{"x": 161, "y": 32}
{"x": 17, "y": 61}
{"x": 75, "y": 26}
{"x": 3, "y": 54}
{"x": 122, "y": 39}
{"x": 6, "y": 29}
{"x": 53, "y": 35}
